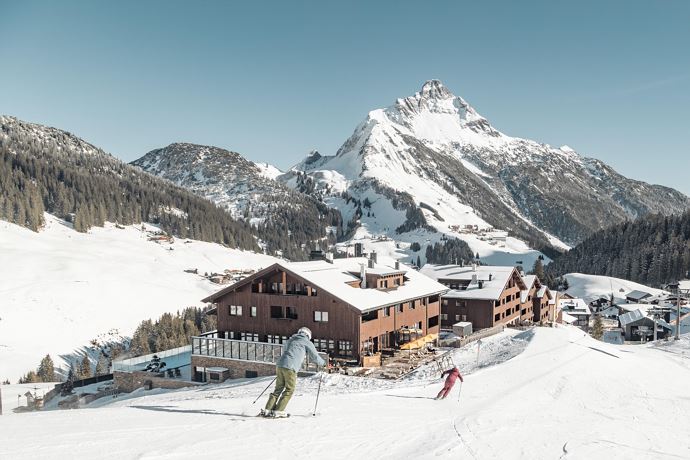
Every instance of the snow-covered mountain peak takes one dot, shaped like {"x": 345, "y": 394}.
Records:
{"x": 434, "y": 89}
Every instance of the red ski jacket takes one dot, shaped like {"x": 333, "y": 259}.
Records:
{"x": 453, "y": 375}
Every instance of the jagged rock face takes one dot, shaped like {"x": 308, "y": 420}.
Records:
{"x": 222, "y": 176}
{"x": 249, "y": 191}
{"x": 437, "y": 148}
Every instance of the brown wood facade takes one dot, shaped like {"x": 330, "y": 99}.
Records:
{"x": 483, "y": 313}
{"x": 275, "y": 303}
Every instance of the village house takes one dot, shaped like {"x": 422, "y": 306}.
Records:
{"x": 578, "y": 309}
{"x": 355, "y": 307}
{"x": 538, "y": 305}
{"x": 485, "y": 296}
{"x": 637, "y": 326}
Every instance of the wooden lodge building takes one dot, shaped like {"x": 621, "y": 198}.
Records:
{"x": 488, "y": 296}
{"x": 354, "y": 307}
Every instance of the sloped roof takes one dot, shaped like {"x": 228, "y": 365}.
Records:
{"x": 334, "y": 278}
{"x": 490, "y": 289}
{"x": 637, "y": 295}
{"x": 631, "y": 317}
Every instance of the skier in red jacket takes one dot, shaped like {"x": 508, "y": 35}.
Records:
{"x": 453, "y": 375}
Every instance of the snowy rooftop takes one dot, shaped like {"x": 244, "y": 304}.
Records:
{"x": 334, "y": 278}
{"x": 575, "y": 307}
{"x": 493, "y": 279}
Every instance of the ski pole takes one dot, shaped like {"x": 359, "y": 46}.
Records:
{"x": 262, "y": 393}
{"x": 459, "y": 391}
{"x": 318, "y": 391}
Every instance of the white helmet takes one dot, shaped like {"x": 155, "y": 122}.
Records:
{"x": 305, "y": 331}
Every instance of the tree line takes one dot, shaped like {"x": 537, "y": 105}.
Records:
{"x": 48, "y": 170}
{"x": 653, "y": 250}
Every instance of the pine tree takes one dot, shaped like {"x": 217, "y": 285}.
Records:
{"x": 102, "y": 365}
{"x": 46, "y": 370}
{"x": 538, "y": 269}
{"x": 85, "y": 367}
{"x": 597, "y": 328}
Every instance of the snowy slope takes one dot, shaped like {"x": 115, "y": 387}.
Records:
{"x": 583, "y": 286}
{"x": 438, "y": 149}
{"x": 61, "y": 288}
{"x": 565, "y": 396}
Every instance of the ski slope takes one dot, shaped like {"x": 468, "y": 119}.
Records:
{"x": 584, "y": 286}
{"x": 565, "y": 396}
{"x": 60, "y": 289}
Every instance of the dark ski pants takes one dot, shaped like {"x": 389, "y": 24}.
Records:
{"x": 286, "y": 380}
{"x": 446, "y": 389}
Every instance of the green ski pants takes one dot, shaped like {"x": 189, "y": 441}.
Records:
{"x": 286, "y": 380}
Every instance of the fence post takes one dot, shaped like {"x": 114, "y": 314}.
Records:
{"x": 0, "y": 401}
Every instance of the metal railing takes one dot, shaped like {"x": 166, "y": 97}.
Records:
{"x": 243, "y": 350}
{"x": 136, "y": 364}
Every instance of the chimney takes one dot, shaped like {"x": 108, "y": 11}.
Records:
{"x": 474, "y": 279}
{"x": 373, "y": 257}
{"x": 474, "y": 268}
{"x": 363, "y": 276}
{"x": 481, "y": 284}
{"x": 397, "y": 265}
{"x": 329, "y": 257}
{"x": 370, "y": 263}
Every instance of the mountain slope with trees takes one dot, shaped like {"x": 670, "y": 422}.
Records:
{"x": 652, "y": 250}
{"x": 285, "y": 218}
{"x": 47, "y": 169}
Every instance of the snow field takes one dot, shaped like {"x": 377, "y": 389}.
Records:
{"x": 565, "y": 396}
{"x": 60, "y": 288}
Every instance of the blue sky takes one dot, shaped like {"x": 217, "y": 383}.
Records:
{"x": 273, "y": 80}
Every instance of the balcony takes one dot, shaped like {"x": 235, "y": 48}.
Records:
{"x": 242, "y": 350}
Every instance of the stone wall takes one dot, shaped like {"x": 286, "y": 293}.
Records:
{"x": 238, "y": 369}
{"x": 130, "y": 381}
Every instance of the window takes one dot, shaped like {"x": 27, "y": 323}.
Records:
{"x": 400, "y": 308}
{"x": 249, "y": 336}
{"x": 252, "y": 312}
{"x": 277, "y": 312}
{"x": 413, "y": 304}
{"x": 345, "y": 347}
{"x": 323, "y": 344}
{"x": 291, "y": 312}
{"x": 386, "y": 311}
{"x": 444, "y": 316}
{"x": 397, "y": 281}
{"x": 464, "y": 317}
{"x": 235, "y": 310}
{"x": 313, "y": 291}
{"x": 445, "y": 302}
{"x": 433, "y": 321}
{"x": 321, "y": 316}
{"x": 457, "y": 317}
{"x": 497, "y": 317}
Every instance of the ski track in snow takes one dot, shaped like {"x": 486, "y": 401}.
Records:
{"x": 551, "y": 393}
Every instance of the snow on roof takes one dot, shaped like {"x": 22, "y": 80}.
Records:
{"x": 637, "y": 295}
{"x": 529, "y": 280}
{"x": 334, "y": 278}
{"x": 631, "y": 317}
{"x": 568, "y": 318}
{"x": 493, "y": 279}
{"x": 643, "y": 307}
{"x": 576, "y": 307}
